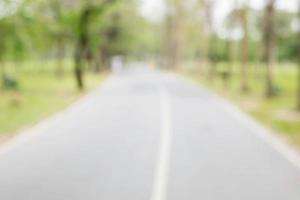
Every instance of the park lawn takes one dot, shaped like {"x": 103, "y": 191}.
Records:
{"x": 278, "y": 113}
{"x": 40, "y": 94}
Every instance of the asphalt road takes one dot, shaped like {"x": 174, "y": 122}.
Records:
{"x": 146, "y": 135}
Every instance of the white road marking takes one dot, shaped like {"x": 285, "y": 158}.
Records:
{"x": 164, "y": 154}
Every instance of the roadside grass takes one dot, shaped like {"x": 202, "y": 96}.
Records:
{"x": 278, "y": 113}
{"x": 40, "y": 94}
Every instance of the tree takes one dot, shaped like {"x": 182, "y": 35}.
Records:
{"x": 231, "y": 24}
{"x": 243, "y": 14}
{"x": 298, "y": 98}
{"x": 209, "y": 12}
{"x": 111, "y": 43}
{"x": 87, "y": 13}
{"x": 269, "y": 42}
{"x": 12, "y": 47}
{"x": 82, "y": 44}
{"x": 174, "y": 33}
{"x": 5, "y": 31}
{"x": 60, "y": 34}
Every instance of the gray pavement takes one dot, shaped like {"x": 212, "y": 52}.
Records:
{"x": 147, "y": 135}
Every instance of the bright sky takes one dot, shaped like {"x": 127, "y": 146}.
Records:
{"x": 8, "y": 7}
{"x": 154, "y": 9}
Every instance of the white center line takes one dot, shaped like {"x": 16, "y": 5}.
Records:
{"x": 164, "y": 154}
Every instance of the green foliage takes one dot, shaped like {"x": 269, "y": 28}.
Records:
{"x": 40, "y": 94}
{"x": 10, "y": 83}
{"x": 278, "y": 113}
{"x": 124, "y": 32}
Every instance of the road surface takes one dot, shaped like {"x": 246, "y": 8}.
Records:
{"x": 147, "y": 135}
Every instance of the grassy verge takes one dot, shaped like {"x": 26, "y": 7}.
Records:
{"x": 278, "y": 113}
{"x": 40, "y": 94}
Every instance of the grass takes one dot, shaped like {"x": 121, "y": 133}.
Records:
{"x": 278, "y": 113}
{"x": 40, "y": 94}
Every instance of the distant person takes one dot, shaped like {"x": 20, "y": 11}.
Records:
{"x": 117, "y": 64}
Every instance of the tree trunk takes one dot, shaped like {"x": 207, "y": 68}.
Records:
{"x": 2, "y": 73}
{"x": 99, "y": 60}
{"x": 211, "y": 41}
{"x": 60, "y": 58}
{"x": 82, "y": 46}
{"x": 79, "y": 78}
{"x": 174, "y": 35}
{"x": 97, "y": 63}
{"x": 60, "y": 51}
{"x": 168, "y": 42}
{"x": 78, "y": 70}
{"x": 269, "y": 38}
{"x": 227, "y": 74}
{"x": 178, "y": 39}
{"x": 244, "y": 50}
{"x": 212, "y": 64}
{"x": 105, "y": 57}
{"x": 298, "y": 96}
